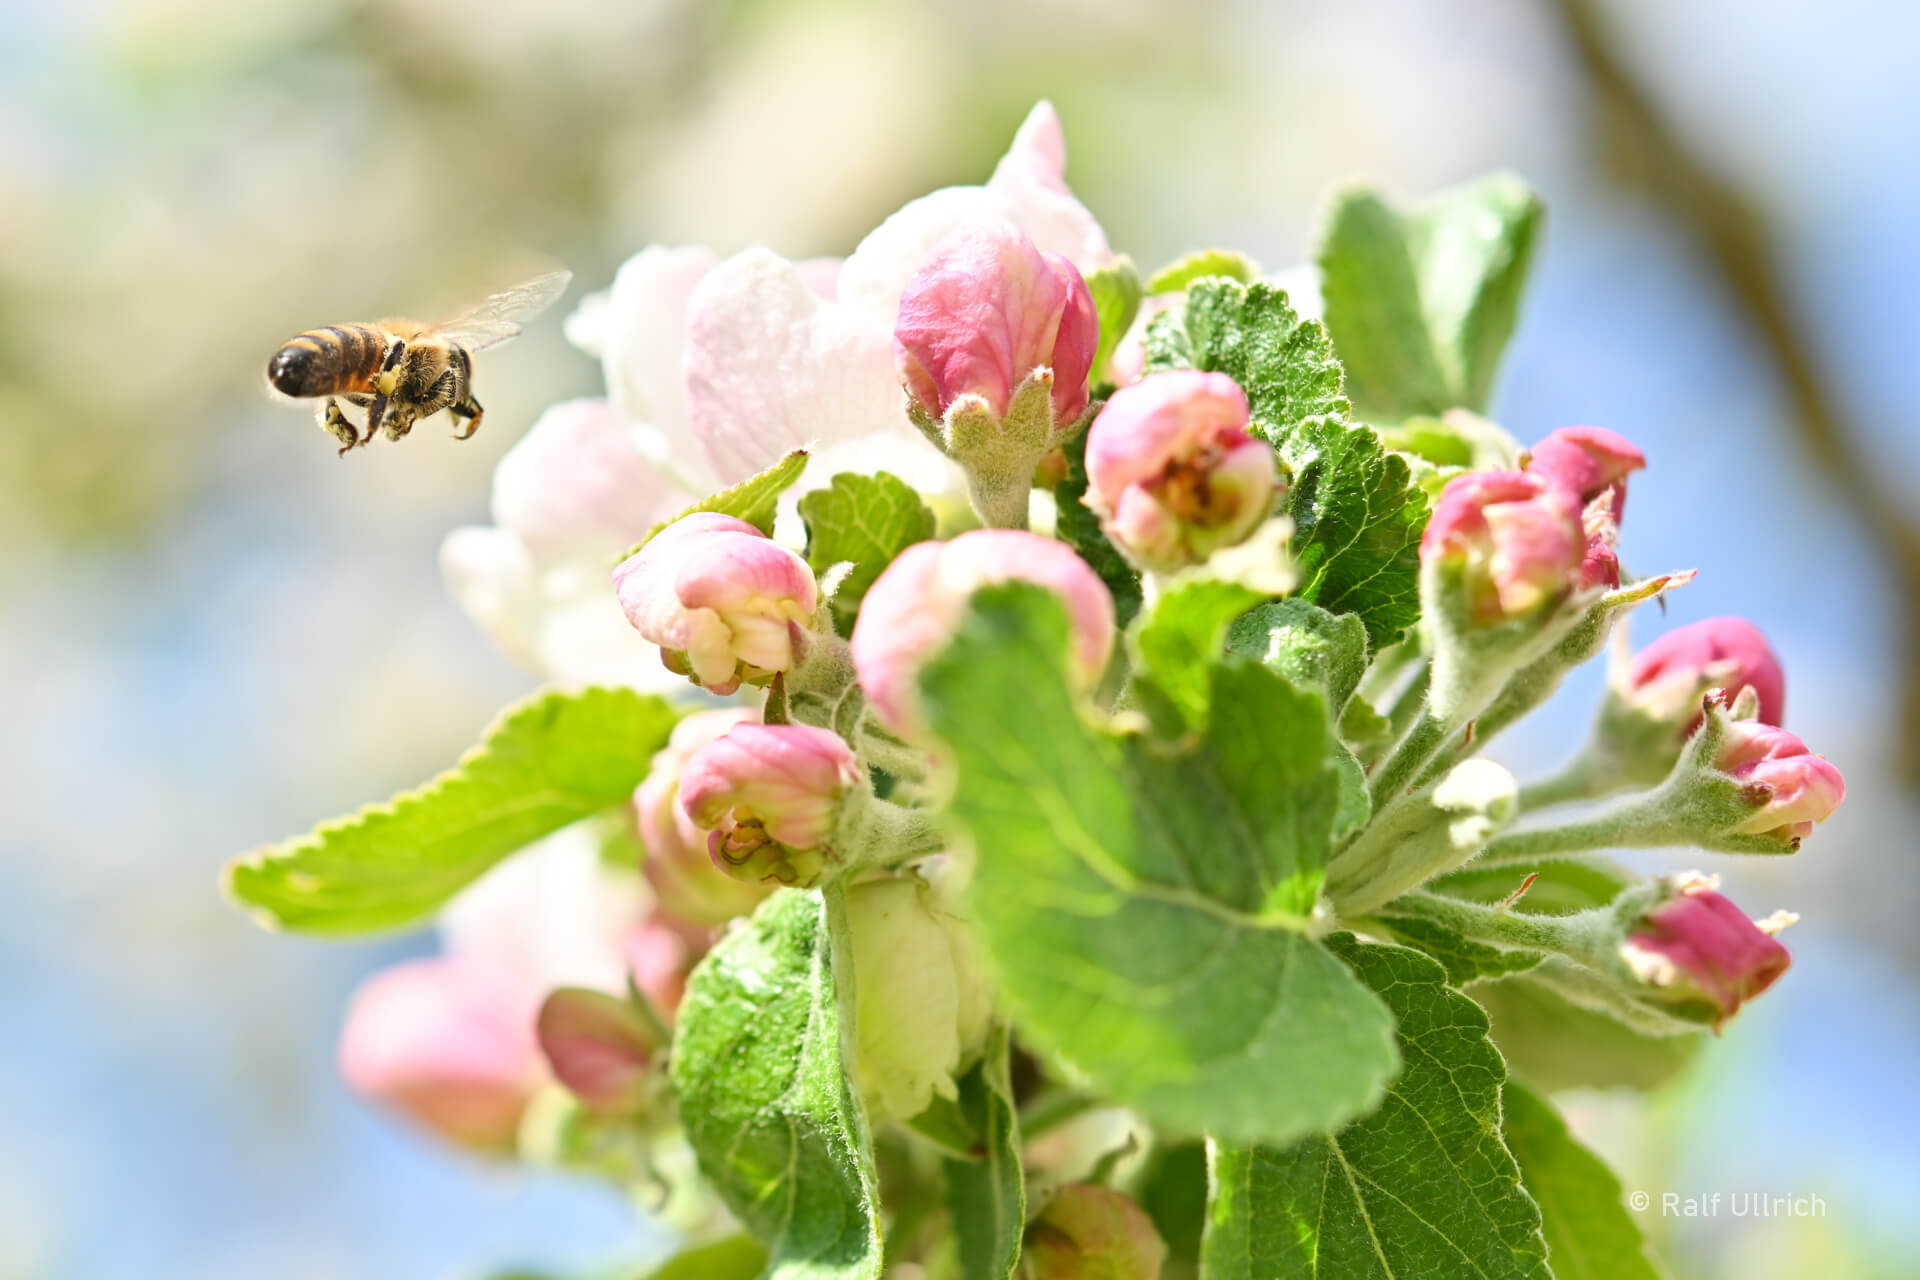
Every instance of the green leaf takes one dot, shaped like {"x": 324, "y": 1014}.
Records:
{"x": 1421, "y": 1187}
{"x": 988, "y": 1196}
{"x": 1560, "y": 886}
{"x": 1590, "y": 1235}
{"x": 1357, "y": 513}
{"x": 1177, "y": 275}
{"x": 1142, "y": 902}
{"x": 1185, "y": 635}
{"x": 1553, "y": 1043}
{"x": 735, "y": 1258}
{"x": 1116, "y": 301}
{"x": 1312, "y": 648}
{"x": 758, "y": 1069}
{"x": 1421, "y": 303}
{"x": 755, "y": 499}
{"x": 1464, "y": 959}
{"x": 546, "y": 763}
{"x": 865, "y": 521}
{"x": 1252, "y": 334}
{"x": 1080, "y": 529}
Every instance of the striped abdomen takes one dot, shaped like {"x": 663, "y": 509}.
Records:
{"x": 338, "y": 360}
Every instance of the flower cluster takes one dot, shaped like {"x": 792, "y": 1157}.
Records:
{"x": 1019, "y": 691}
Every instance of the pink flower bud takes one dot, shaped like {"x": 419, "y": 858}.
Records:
{"x": 719, "y": 597}
{"x": 1793, "y": 788}
{"x": 1669, "y": 676}
{"x": 1173, "y": 473}
{"x": 769, "y": 794}
{"x": 597, "y": 1047}
{"x": 683, "y": 877}
{"x": 984, "y": 311}
{"x": 913, "y": 607}
{"x": 449, "y": 1042}
{"x": 1591, "y": 461}
{"x": 1697, "y": 946}
{"x": 1517, "y": 537}
{"x": 1091, "y": 1231}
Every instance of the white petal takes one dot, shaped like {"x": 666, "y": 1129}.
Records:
{"x": 586, "y": 326}
{"x": 1302, "y": 285}
{"x": 584, "y": 481}
{"x": 552, "y": 912}
{"x": 581, "y": 638}
{"x": 772, "y": 367}
{"x": 1028, "y": 188}
{"x": 643, "y": 336}
{"x": 490, "y": 574}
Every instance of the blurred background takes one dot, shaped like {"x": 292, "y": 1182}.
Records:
{"x": 217, "y": 634}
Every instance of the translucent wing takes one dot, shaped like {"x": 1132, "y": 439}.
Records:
{"x": 501, "y": 316}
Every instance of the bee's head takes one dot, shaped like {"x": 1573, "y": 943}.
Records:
{"x": 297, "y": 370}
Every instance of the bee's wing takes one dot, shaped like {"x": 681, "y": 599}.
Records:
{"x": 500, "y": 316}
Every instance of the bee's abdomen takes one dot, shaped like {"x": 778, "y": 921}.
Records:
{"x": 325, "y": 362}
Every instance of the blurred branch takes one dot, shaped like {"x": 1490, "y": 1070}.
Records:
{"x": 1645, "y": 150}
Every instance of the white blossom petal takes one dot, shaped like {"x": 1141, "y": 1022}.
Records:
{"x": 584, "y": 481}
{"x": 643, "y": 335}
{"x": 1028, "y": 188}
{"x": 772, "y": 367}
{"x": 491, "y": 576}
{"x": 552, "y": 913}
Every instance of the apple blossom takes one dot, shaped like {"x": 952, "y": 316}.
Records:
{"x": 1172, "y": 471}
{"x": 597, "y": 1046}
{"x": 1792, "y": 788}
{"x": 913, "y": 606}
{"x": 1668, "y": 677}
{"x": 719, "y": 597}
{"x": 984, "y": 312}
{"x": 1697, "y": 947}
{"x": 683, "y": 877}
{"x": 1515, "y": 538}
{"x": 1592, "y": 461}
{"x": 576, "y": 490}
{"x": 769, "y": 796}
{"x": 449, "y": 1041}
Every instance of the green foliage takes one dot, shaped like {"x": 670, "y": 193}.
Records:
{"x": 1590, "y": 1235}
{"x": 864, "y": 521}
{"x": 1465, "y": 959}
{"x": 1172, "y": 1188}
{"x": 762, "y": 1082}
{"x": 735, "y": 1258}
{"x": 988, "y": 1195}
{"x": 545, "y": 763}
{"x": 1553, "y": 1043}
{"x": 1080, "y": 529}
{"x": 755, "y": 499}
{"x": 1178, "y": 642}
{"x": 1423, "y": 1186}
{"x": 1421, "y": 303}
{"x": 1312, "y": 648}
{"x": 1357, "y": 513}
{"x": 1142, "y": 902}
{"x": 1116, "y": 301}
{"x": 1182, "y": 272}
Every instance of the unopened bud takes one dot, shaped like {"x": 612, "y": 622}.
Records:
{"x": 769, "y": 796}
{"x": 450, "y": 1043}
{"x": 1791, "y": 789}
{"x": 1699, "y": 953}
{"x": 720, "y": 598}
{"x": 598, "y": 1047}
{"x": 683, "y": 877}
{"x": 1515, "y": 540}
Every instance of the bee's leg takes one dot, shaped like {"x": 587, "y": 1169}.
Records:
{"x": 384, "y": 386}
{"x": 335, "y": 423}
{"x": 399, "y": 422}
{"x": 470, "y": 410}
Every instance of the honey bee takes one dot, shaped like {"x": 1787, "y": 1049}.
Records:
{"x": 401, "y": 371}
